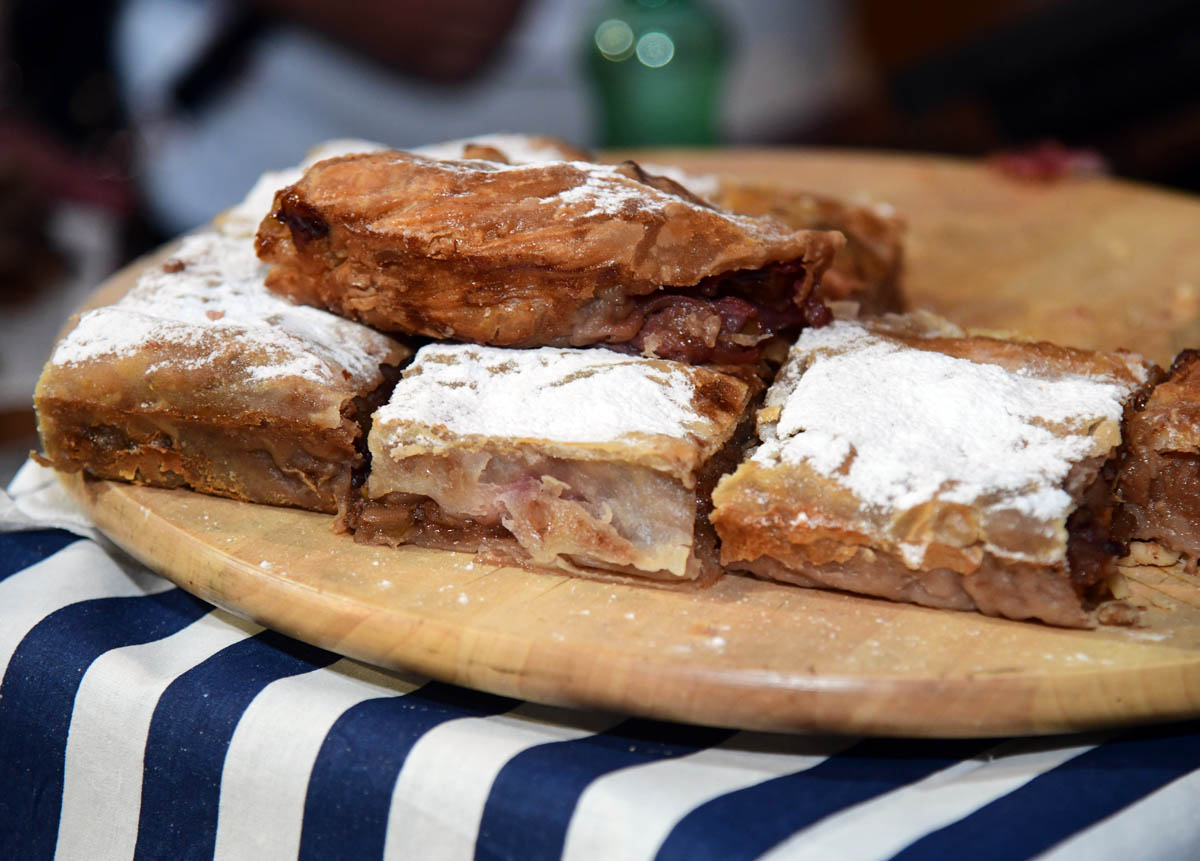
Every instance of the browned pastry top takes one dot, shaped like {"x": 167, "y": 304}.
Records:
{"x": 201, "y": 337}
{"x": 910, "y": 464}
{"x": 516, "y": 255}
{"x": 867, "y": 270}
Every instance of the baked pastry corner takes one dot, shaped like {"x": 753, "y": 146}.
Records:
{"x": 201, "y": 378}
{"x": 906, "y": 459}
{"x": 554, "y": 254}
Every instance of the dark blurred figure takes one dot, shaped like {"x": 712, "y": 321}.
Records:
{"x": 442, "y": 40}
{"x": 1119, "y": 78}
{"x": 173, "y": 107}
{"x": 221, "y": 92}
{"x": 60, "y": 136}
{"x": 62, "y": 116}
{"x": 67, "y": 131}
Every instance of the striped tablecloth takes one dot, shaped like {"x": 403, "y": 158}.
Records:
{"x": 138, "y": 721}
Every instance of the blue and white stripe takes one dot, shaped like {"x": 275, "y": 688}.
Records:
{"x": 137, "y": 721}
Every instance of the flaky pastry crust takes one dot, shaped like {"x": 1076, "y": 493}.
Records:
{"x": 564, "y": 253}
{"x": 201, "y": 378}
{"x": 867, "y": 270}
{"x": 798, "y": 519}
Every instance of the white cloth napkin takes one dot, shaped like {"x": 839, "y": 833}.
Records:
{"x": 36, "y": 500}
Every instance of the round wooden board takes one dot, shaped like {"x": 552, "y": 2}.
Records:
{"x": 1093, "y": 262}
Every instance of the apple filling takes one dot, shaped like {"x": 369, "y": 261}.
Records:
{"x": 576, "y": 515}
{"x": 292, "y": 465}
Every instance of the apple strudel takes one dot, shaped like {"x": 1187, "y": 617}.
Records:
{"x": 581, "y": 461}
{"x": 202, "y": 378}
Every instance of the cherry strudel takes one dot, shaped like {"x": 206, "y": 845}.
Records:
{"x": 562, "y": 253}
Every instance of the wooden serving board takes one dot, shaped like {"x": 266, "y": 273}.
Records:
{"x": 1093, "y": 262}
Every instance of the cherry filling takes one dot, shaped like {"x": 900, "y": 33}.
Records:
{"x": 302, "y": 219}
{"x": 726, "y": 318}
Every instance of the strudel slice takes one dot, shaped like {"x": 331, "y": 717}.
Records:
{"x": 584, "y": 461}
{"x": 910, "y": 460}
{"x": 202, "y": 378}
{"x": 562, "y": 253}
{"x": 1158, "y": 483}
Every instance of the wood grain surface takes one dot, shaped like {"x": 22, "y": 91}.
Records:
{"x": 1095, "y": 262}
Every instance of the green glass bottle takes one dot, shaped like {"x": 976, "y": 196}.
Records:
{"x": 657, "y": 68}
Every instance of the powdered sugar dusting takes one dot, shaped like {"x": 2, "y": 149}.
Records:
{"x": 606, "y": 192}
{"x": 213, "y": 291}
{"x": 551, "y": 394}
{"x": 899, "y": 426}
{"x": 602, "y": 190}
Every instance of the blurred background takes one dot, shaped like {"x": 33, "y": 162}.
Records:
{"x": 124, "y": 122}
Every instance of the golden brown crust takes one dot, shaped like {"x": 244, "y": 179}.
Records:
{"x": 192, "y": 412}
{"x": 1012, "y": 591}
{"x": 553, "y": 253}
{"x": 997, "y": 554}
{"x": 766, "y": 528}
{"x": 258, "y": 458}
{"x": 1013, "y": 352}
{"x": 211, "y": 376}
{"x": 868, "y": 270}
{"x": 199, "y": 377}
{"x": 305, "y": 455}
